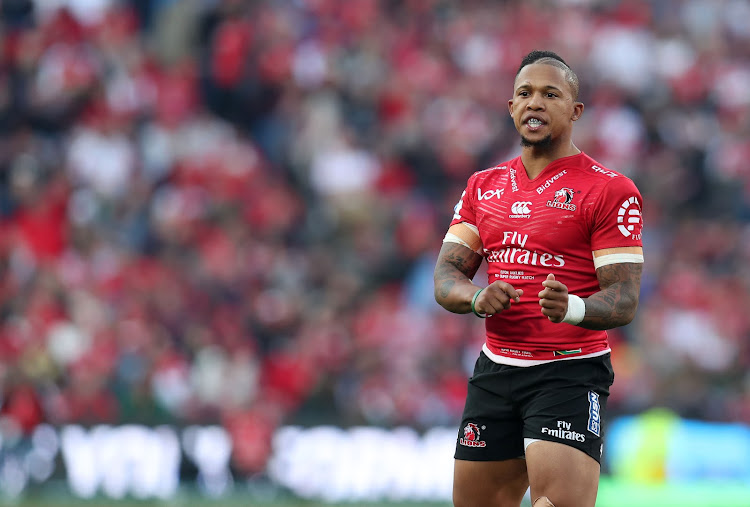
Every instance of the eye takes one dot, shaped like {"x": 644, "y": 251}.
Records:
{"x": 551, "y": 95}
{"x": 523, "y": 93}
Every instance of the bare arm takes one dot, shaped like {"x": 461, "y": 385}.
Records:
{"x": 455, "y": 268}
{"x": 613, "y": 306}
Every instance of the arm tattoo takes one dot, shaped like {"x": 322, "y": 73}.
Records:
{"x": 615, "y": 304}
{"x": 456, "y": 264}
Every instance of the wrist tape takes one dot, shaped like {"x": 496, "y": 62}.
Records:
{"x": 576, "y": 310}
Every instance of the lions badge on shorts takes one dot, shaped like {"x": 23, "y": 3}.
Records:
{"x": 471, "y": 436}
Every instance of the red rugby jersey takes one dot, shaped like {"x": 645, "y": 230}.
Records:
{"x": 551, "y": 224}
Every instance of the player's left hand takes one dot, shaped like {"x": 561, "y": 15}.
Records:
{"x": 553, "y": 299}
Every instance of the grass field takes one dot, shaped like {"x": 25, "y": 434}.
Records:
{"x": 611, "y": 494}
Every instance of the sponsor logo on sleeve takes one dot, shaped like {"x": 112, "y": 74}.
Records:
{"x": 629, "y": 219}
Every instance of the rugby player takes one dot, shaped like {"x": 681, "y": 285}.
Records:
{"x": 561, "y": 235}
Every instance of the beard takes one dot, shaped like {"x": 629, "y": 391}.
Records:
{"x": 542, "y": 143}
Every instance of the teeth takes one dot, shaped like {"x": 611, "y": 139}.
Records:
{"x": 534, "y": 122}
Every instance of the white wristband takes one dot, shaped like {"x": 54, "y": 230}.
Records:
{"x": 576, "y": 310}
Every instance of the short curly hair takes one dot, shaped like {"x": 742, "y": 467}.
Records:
{"x": 552, "y": 58}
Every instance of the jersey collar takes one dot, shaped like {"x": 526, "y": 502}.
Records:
{"x": 523, "y": 179}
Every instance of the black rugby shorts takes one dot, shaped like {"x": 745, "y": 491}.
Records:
{"x": 561, "y": 401}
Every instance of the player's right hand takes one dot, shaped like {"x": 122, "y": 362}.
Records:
{"x": 496, "y": 297}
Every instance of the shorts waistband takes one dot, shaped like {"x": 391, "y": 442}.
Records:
{"x": 513, "y": 361}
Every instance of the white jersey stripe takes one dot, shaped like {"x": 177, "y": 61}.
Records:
{"x": 605, "y": 260}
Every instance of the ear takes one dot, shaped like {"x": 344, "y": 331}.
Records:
{"x": 510, "y": 107}
{"x": 577, "y": 111}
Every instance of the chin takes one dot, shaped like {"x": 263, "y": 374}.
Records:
{"x": 544, "y": 142}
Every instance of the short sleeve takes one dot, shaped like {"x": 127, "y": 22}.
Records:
{"x": 617, "y": 219}
{"x": 463, "y": 211}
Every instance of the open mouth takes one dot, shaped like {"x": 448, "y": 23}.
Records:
{"x": 534, "y": 124}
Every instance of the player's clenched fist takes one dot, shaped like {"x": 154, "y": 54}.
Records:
{"x": 553, "y": 299}
{"x": 496, "y": 297}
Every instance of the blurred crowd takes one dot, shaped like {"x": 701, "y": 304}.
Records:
{"x": 228, "y": 211}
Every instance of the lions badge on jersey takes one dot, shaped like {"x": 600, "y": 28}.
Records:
{"x": 563, "y": 199}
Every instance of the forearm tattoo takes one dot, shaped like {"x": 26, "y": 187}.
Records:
{"x": 455, "y": 264}
{"x": 615, "y": 304}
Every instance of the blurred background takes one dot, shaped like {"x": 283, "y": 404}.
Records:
{"x": 219, "y": 221}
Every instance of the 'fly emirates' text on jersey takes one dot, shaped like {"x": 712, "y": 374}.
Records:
{"x": 531, "y": 228}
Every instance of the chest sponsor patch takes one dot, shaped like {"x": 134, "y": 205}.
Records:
{"x": 549, "y": 181}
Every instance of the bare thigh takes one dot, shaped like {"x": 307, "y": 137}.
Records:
{"x": 489, "y": 483}
{"x": 565, "y": 475}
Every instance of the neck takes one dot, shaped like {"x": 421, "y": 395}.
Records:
{"x": 535, "y": 159}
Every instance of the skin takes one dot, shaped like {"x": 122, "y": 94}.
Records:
{"x": 541, "y": 92}
{"x": 563, "y": 474}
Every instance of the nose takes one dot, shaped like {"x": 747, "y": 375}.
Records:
{"x": 535, "y": 102}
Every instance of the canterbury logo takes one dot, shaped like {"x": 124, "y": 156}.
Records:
{"x": 521, "y": 208}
